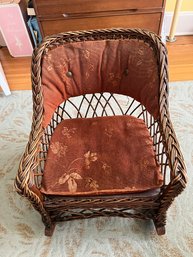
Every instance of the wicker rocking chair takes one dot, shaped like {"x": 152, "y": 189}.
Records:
{"x": 102, "y": 143}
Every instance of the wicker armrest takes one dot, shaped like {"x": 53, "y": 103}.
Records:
{"x": 178, "y": 177}
{"x": 24, "y": 182}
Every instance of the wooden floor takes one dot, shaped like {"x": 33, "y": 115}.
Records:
{"x": 17, "y": 70}
{"x": 181, "y": 59}
{"x": 180, "y": 53}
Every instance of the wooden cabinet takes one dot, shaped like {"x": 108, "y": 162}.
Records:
{"x": 63, "y": 15}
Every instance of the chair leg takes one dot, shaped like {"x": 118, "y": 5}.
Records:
{"x": 159, "y": 223}
{"x": 160, "y": 229}
{"x": 49, "y": 230}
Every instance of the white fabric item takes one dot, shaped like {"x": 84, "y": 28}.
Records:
{"x": 3, "y": 82}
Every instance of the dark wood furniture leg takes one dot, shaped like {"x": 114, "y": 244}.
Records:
{"x": 50, "y": 230}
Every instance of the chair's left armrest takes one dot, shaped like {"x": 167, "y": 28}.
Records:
{"x": 24, "y": 182}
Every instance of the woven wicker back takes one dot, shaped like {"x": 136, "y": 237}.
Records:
{"x": 120, "y": 65}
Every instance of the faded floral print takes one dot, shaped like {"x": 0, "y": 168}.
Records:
{"x": 68, "y": 132}
{"x": 114, "y": 79}
{"x": 72, "y": 174}
{"x": 58, "y": 149}
{"x": 91, "y": 184}
{"x": 144, "y": 163}
{"x": 106, "y": 168}
{"x": 89, "y": 158}
{"x": 86, "y": 53}
{"x": 109, "y": 132}
{"x": 71, "y": 180}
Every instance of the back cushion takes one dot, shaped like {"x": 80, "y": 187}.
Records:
{"x": 126, "y": 67}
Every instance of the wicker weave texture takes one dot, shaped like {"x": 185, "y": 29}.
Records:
{"x": 168, "y": 154}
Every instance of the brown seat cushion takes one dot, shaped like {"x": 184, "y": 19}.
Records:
{"x": 103, "y": 155}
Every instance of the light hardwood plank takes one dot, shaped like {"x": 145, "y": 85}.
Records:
{"x": 180, "y": 55}
{"x": 17, "y": 70}
{"x": 182, "y": 40}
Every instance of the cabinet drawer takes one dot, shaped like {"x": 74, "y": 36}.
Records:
{"x": 53, "y": 8}
{"x": 150, "y": 21}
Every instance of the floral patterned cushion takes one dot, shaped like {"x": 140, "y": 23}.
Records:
{"x": 103, "y": 155}
{"x": 127, "y": 67}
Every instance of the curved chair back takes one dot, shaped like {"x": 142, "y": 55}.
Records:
{"x": 116, "y": 61}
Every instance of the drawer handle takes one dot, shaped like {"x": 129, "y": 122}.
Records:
{"x": 99, "y": 14}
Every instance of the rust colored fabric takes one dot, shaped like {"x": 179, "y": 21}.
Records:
{"x": 103, "y": 155}
{"x": 126, "y": 67}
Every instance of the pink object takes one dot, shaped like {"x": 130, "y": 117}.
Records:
{"x": 14, "y": 31}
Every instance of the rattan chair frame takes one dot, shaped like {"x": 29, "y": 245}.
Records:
{"x": 54, "y": 209}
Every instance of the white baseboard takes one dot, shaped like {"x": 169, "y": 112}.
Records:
{"x": 184, "y": 26}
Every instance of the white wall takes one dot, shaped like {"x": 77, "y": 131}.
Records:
{"x": 184, "y": 26}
